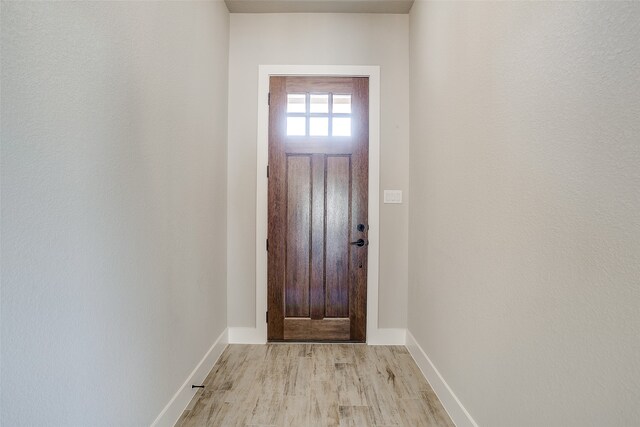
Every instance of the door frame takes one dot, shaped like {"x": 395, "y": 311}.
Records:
{"x": 374, "y": 335}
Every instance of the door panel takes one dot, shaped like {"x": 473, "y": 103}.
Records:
{"x": 317, "y": 238}
{"x": 300, "y": 329}
{"x": 317, "y": 197}
{"x": 338, "y": 174}
{"x": 298, "y": 236}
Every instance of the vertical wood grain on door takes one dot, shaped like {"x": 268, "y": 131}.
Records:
{"x": 337, "y": 222}
{"x": 297, "y": 249}
{"x": 317, "y": 197}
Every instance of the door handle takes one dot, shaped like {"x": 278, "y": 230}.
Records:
{"x": 360, "y": 242}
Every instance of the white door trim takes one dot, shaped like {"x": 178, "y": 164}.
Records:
{"x": 374, "y": 334}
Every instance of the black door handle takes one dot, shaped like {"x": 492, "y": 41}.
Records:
{"x": 360, "y": 242}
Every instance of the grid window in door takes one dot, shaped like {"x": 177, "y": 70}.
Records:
{"x": 318, "y": 115}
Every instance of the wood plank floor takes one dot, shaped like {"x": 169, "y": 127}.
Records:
{"x": 320, "y": 385}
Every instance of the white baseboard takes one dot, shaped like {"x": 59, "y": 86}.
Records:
{"x": 385, "y": 336}
{"x": 247, "y": 336}
{"x": 453, "y": 406}
{"x": 185, "y": 393}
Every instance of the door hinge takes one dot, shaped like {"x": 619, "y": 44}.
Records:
{"x": 267, "y": 171}
{"x": 269, "y": 98}
{"x": 267, "y": 316}
{"x": 267, "y": 241}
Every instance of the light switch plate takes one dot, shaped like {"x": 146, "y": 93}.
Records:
{"x": 392, "y": 196}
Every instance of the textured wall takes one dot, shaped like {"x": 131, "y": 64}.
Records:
{"x": 114, "y": 119}
{"x": 312, "y": 39}
{"x": 525, "y": 213}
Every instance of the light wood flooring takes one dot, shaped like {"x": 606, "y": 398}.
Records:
{"x": 307, "y": 385}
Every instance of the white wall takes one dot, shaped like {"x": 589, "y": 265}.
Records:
{"x": 525, "y": 210}
{"x": 114, "y": 120}
{"x": 317, "y": 39}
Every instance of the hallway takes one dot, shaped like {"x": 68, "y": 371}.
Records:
{"x": 315, "y": 385}
{"x": 134, "y": 164}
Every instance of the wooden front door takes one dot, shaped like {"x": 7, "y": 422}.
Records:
{"x": 318, "y": 184}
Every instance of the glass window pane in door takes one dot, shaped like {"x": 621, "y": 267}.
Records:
{"x": 296, "y": 103}
{"x": 342, "y": 104}
{"x": 319, "y": 103}
{"x": 319, "y": 126}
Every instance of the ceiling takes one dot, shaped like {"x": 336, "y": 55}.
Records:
{"x": 319, "y": 6}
